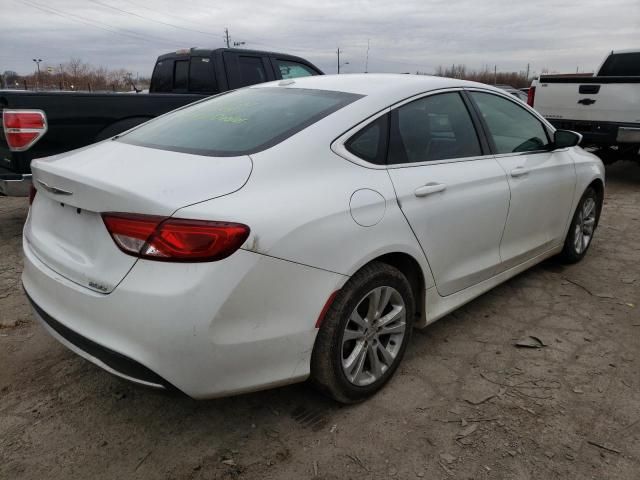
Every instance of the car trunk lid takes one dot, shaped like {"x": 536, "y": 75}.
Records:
{"x": 65, "y": 229}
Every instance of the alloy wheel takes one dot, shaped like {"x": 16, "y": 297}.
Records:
{"x": 373, "y": 335}
{"x": 585, "y": 225}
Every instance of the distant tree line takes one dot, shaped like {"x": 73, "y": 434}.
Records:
{"x": 486, "y": 75}
{"x": 74, "y": 75}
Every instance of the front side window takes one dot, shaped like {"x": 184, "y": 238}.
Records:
{"x": 289, "y": 69}
{"x": 437, "y": 127}
{"x": 512, "y": 128}
{"x": 240, "y": 122}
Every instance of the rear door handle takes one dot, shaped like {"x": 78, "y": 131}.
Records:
{"x": 519, "y": 171}
{"x": 430, "y": 188}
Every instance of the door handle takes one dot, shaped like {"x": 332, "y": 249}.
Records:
{"x": 519, "y": 171}
{"x": 430, "y": 188}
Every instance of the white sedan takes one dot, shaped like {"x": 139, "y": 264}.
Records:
{"x": 299, "y": 229}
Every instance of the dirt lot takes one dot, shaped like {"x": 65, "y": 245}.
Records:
{"x": 466, "y": 403}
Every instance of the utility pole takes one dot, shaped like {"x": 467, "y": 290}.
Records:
{"x": 366, "y": 64}
{"x": 226, "y": 37}
{"x": 527, "y": 71}
{"x": 340, "y": 64}
{"x": 495, "y": 74}
{"x": 38, "y": 77}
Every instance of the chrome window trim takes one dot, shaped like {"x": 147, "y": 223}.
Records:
{"x": 339, "y": 148}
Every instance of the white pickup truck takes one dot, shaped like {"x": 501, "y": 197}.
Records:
{"x": 604, "y": 108}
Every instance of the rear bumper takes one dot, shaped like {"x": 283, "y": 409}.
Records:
{"x": 209, "y": 329}
{"x": 601, "y": 133}
{"x": 15, "y": 185}
{"x": 111, "y": 361}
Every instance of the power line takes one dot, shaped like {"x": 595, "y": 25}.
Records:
{"x": 93, "y": 23}
{"x": 172, "y": 14}
{"x": 133, "y": 14}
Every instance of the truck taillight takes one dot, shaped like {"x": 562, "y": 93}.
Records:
{"x": 23, "y": 128}
{"x": 531, "y": 95}
{"x": 174, "y": 239}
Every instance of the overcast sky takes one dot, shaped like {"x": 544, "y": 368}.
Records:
{"x": 404, "y": 35}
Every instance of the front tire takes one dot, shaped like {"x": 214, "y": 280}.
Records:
{"x": 364, "y": 334}
{"x": 583, "y": 227}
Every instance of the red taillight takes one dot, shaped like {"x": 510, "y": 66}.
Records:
{"x": 32, "y": 193}
{"x": 531, "y": 96}
{"x": 23, "y": 128}
{"x": 174, "y": 239}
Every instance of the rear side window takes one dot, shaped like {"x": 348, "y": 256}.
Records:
{"x": 181, "y": 75}
{"x": 290, "y": 69}
{"x": 512, "y": 128}
{"x": 162, "y": 78}
{"x": 239, "y": 123}
{"x": 437, "y": 127}
{"x": 370, "y": 143}
{"x": 251, "y": 70}
{"x": 622, "y": 65}
{"x": 201, "y": 76}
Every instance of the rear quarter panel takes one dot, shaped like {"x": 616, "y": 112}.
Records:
{"x": 297, "y": 204}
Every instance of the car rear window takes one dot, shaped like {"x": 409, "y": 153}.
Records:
{"x": 621, "y": 64}
{"x": 240, "y": 122}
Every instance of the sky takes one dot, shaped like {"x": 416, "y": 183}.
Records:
{"x": 400, "y": 36}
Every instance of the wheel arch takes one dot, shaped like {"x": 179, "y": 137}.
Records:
{"x": 419, "y": 278}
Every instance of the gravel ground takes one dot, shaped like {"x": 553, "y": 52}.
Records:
{"x": 466, "y": 403}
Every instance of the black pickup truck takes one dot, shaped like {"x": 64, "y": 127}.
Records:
{"x": 39, "y": 124}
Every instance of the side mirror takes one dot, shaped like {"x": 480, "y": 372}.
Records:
{"x": 565, "y": 139}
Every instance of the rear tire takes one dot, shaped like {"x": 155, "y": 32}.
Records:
{"x": 364, "y": 334}
{"x": 582, "y": 228}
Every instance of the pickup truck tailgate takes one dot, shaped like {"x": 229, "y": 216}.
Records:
{"x": 598, "y": 99}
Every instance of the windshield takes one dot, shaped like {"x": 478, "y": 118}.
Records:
{"x": 239, "y": 123}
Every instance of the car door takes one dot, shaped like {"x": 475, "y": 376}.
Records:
{"x": 542, "y": 180}
{"x": 452, "y": 191}
{"x": 245, "y": 69}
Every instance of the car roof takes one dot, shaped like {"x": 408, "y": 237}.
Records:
{"x": 392, "y": 87}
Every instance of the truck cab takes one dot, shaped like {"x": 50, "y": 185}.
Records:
{"x": 214, "y": 71}
{"x": 43, "y": 123}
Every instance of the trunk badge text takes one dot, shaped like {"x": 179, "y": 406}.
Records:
{"x": 54, "y": 190}
{"x": 98, "y": 286}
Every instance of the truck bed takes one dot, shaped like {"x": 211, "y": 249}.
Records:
{"x": 76, "y": 119}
